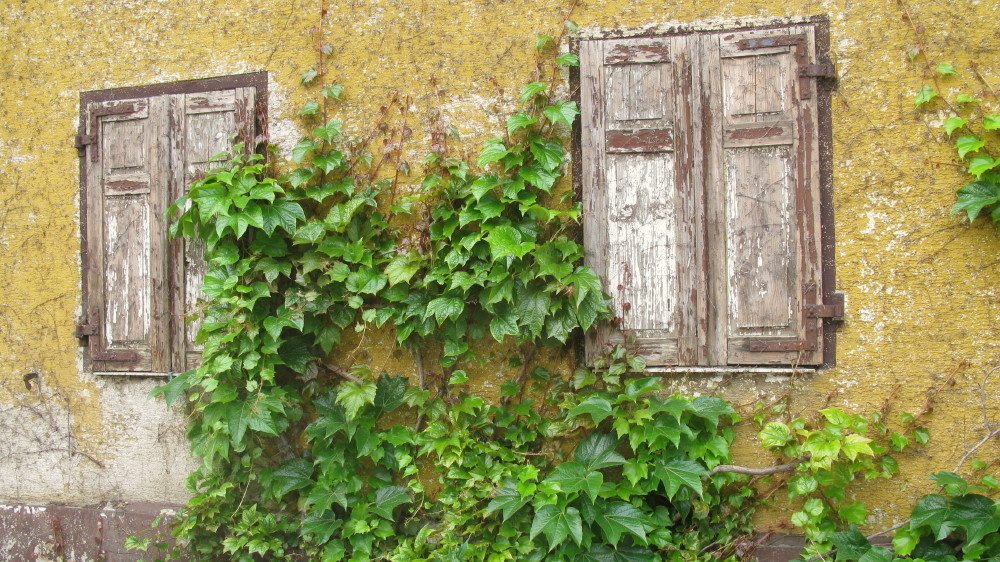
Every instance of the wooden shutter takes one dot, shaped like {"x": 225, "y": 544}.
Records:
{"x": 203, "y": 125}
{"x": 639, "y": 208}
{"x": 141, "y": 154}
{"x": 764, "y": 183}
{"x": 701, "y": 192}
{"x": 126, "y": 254}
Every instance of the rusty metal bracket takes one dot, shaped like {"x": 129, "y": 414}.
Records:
{"x": 822, "y": 70}
{"x": 84, "y": 330}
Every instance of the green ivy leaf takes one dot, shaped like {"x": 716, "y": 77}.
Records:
{"x": 562, "y": 111}
{"x": 854, "y": 445}
{"x": 332, "y": 91}
{"x": 597, "y": 451}
{"x": 850, "y": 544}
{"x": 507, "y": 241}
{"x": 598, "y": 407}
{"x": 574, "y": 477}
{"x": 483, "y": 185}
{"x": 968, "y": 143}
{"x": 355, "y": 395}
{"x": 542, "y": 40}
{"x": 389, "y": 393}
{"x": 991, "y": 122}
{"x": 444, "y": 308}
{"x": 321, "y": 524}
{"x": 329, "y": 131}
{"x": 507, "y": 499}
{"x": 493, "y": 150}
{"x": 711, "y": 408}
{"x": 945, "y": 68}
{"x": 537, "y": 176}
{"x": 557, "y": 524}
{"x": 386, "y": 499}
{"x": 531, "y": 91}
{"x": 774, "y": 435}
{"x": 926, "y": 94}
{"x": 548, "y": 153}
{"x": 976, "y": 514}
{"x": 504, "y": 324}
{"x": 619, "y": 517}
{"x": 953, "y": 484}
{"x": 309, "y": 108}
{"x": 402, "y": 268}
{"x": 295, "y": 474}
{"x": 853, "y": 512}
{"x": 933, "y": 512}
{"x": 680, "y": 472}
{"x": 283, "y": 213}
{"x": 519, "y": 121}
{"x": 952, "y": 123}
{"x": 568, "y": 59}
{"x": 877, "y": 554}
{"x": 300, "y": 150}
{"x": 974, "y": 197}
{"x": 982, "y": 164}
{"x": 966, "y": 98}
{"x": 531, "y": 306}
{"x": 904, "y": 541}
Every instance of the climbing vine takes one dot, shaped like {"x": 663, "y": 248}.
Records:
{"x": 309, "y": 454}
{"x": 971, "y": 123}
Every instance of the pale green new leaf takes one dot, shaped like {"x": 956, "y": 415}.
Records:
{"x": 309, "y": 108}
{"x": 945, "y": 69}
{"x": 355, "y": 395}
{"x": 562, "y": 111}
{"x": 952, "y": 123}
{"x": 568, "y": 59}
{"x": 533, "y": 89}
{"x": 926, "y": 94}
{"x": 775, "y": 434}
{"x": 982, "y": 164}
{"x": 991, "y": 122}
{"x": 968, "y": 143}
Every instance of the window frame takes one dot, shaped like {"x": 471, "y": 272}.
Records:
{"x": 258, "y": 81}
{"x": 825, "y": 85}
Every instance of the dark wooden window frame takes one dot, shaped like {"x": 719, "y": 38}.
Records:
{"x": 825, "y": 86}
{"x": 256, "y": 80}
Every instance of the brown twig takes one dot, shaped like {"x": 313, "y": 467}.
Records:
{"x": 340, "y": 372}
{"x": 787, "y": 467}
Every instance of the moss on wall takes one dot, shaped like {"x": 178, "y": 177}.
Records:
{"x": 921, "y": 287}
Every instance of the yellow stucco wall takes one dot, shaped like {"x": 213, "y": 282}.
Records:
{"x": 921, "y": 286}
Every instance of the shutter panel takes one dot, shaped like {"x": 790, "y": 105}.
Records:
{"x": 639, "y": 203}
{"x": 202, "y": 126}
{"x": 126, "y": 256}
{"x": 765, "y": 182}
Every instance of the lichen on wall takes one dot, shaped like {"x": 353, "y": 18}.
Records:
{"x": 920, "y": 285}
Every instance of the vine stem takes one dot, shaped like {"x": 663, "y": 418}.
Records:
{"x": 340, "y": 372}
{"x": 787, "y": 467}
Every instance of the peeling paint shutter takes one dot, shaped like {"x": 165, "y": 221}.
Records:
{"x": 141, "y": 287}
{"x": 202, "y": 126}
{"x": 701, "y": 195}
{"x": 767, "y": 175}
{"x": 127, "y": 302}
{"x": 639, "y": 209}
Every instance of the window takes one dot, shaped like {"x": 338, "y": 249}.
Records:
{"x": 704, "y": 212}
{"x": 140, "y": 149}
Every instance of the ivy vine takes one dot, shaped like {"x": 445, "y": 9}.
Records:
{"x": 307, "y": 454}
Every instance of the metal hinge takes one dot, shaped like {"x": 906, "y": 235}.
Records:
{"x": 821, "y": 70}
{"x": 84, "y": 140}
{"x": 84, "y": 330}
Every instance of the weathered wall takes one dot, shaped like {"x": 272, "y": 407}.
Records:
{"x": 920, "y": 286}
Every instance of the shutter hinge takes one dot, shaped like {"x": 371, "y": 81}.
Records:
{"x": 833, "y": 310}
{"x": 822, "y": 70}
{"x": 84, "y": 140}
{"x": 84, "y": 330}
